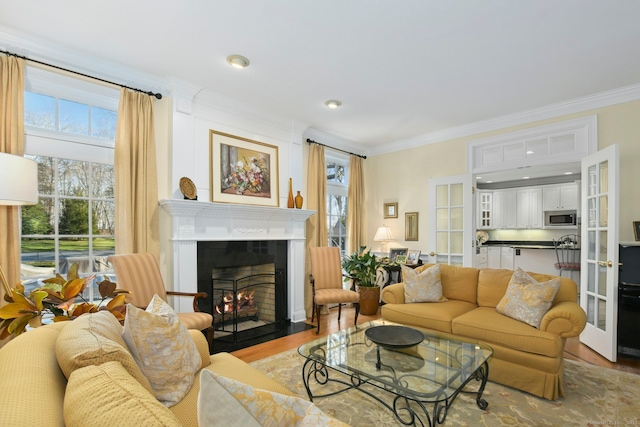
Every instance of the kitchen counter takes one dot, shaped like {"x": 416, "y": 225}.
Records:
{"x": 521, "y": 244}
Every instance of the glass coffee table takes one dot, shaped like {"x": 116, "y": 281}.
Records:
{"x": 414, "y": 372}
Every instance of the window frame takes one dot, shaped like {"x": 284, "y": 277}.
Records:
{"x": 336, "y": 189}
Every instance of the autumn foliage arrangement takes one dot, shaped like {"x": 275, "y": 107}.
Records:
{"x": 58, "y": 298}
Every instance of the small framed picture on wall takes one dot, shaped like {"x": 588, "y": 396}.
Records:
{"x": 391, "y": 210}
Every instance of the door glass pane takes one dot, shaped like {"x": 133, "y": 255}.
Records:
{"x": 591, "y": 255}
{"x": 442, "y": 195}
{"x": 593, "y": 181}
{"x": 442, "y": 221}
{"x": 457, "y": 242}
{"x": 592, "y": 212}
{"x": 456, "y": 219}
{"x": 591, "y": 302}
{"x": 602, "y": 281}
{"x": 442, "y": 242}
{"x": 457, "y": 195}
{"x": 602, "y": 248}
{"x": 602, "y": 314}
{"x": 604, "y": 210}
{"x": 604, "y": 177}
{"x": 591, "y": 277}
{"x": 456, "y": 260}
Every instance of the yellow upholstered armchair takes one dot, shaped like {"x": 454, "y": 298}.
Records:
{"x": 140, "y": 274}
{"x": 326, "y": 282}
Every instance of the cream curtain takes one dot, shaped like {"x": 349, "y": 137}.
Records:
{"x": 316, "y": 226}
{"x": 136, "y": 179}
{"x": 11, "y": 141}
{"x": 355, "y": 213}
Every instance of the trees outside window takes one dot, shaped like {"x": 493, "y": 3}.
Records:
{"x": 337, "y": 191}
{"x": 69, "y": 132}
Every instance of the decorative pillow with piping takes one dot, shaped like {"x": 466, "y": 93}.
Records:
{"x": 527, "y": 300}
{"x": 425, "y": 286}
{"x": 163, "y": 348}
{"x": 251, "y": 407}
{"x": 106, "y": 395}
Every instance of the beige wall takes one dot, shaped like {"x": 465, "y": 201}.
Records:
{"x": 403, "y": 176}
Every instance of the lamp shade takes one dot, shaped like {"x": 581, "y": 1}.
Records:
{"x": 383, "y": 234}
{"x": 18, "y": 180}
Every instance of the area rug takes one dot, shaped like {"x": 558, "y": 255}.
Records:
{"x": 595, "y": 396}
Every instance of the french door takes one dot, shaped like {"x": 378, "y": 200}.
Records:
{"x": 599, "y": 250}
{"x": 450, "y": 209}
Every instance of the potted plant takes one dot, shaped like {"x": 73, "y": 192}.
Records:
{"x": 362, "y": 267}
{"x": 58, "y": 298}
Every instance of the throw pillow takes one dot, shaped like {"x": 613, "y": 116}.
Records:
{"x": 247, "y": 406}
{"x": 107, "y": 395}
{"x": 425, "y": 286}
{"x": 527, "y": 300}
{"x": 94, "y": 339}
{"x": 163, "y": 349}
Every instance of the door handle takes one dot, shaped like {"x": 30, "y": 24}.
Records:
{"x": 432, "y": 253}
{"x": 605, "y": 264}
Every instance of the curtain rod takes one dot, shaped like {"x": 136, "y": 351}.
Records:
{"x": 310, "y": 141}
{"x": 157, "y": 95}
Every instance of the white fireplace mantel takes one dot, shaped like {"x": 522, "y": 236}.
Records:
{"x": 194, "y": 221}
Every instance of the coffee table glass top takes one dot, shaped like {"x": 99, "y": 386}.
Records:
{"x": 436, "y": 368}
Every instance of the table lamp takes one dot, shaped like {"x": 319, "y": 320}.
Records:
{"x": 18, "y": 186}
{"x": 383, "y": 235}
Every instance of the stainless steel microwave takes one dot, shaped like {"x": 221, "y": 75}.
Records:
{"x": 560, "y": 218}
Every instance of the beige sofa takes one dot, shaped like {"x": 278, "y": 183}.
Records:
{"x": 34, "y": 386}
{"x": 524, "y": 357}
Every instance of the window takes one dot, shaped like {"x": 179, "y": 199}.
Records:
{"x": 70, "y": 132}
{"x": 337, "y": 193}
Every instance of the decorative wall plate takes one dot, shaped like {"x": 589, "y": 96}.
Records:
{"x": 188, "y": 188}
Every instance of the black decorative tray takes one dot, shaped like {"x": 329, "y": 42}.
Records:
{"x": 390, "y": 336}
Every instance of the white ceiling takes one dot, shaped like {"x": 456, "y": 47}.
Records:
{"x": 401, "y": 68}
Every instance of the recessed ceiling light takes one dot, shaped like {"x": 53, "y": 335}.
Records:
{"x": 478, "y": 177}
{"x": 568, "y": 173}
{"x": 531, "y": 152}
{"x": 332, "y": 103}
{"x": 238, "y": 61}
{"x": 489, "y": 182}
{"x": 525, "y": 177}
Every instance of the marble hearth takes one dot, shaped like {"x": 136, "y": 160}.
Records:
{"x": 196, "y": 221}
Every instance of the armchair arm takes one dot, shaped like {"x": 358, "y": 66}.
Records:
{"x": 195, "y": 295}
{"x": 566, "y": 319}
{"x": 393, "y": 294}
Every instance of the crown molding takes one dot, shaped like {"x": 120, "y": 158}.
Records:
{"x": 577, "y": 105}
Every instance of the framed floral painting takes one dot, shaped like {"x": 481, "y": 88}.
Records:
{"x": 243, "y": 170}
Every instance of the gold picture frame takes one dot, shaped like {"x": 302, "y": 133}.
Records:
{"x": 243, "y": 170}
{"x": 391, "y": 210}
{"x": 411, "y": 226}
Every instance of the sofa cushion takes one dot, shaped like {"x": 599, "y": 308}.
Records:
{"x": 248, "y": 406}
{"x": 429, "y": 315}
{"x": 425, "y": 286}
{"x": 526, "y": 299}
{"x": 487, "y": 325}
{"x": 458, "y": 283}
{"x": 94, "y": 339}
{"x": 107, "y": 395}
{"x": 163, "y": 348}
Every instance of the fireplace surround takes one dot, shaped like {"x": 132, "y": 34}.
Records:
{"x": 184, "y": 223}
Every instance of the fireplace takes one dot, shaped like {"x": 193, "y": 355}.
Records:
{"x": 247, "y": 286}
{"x": 191, "y": 227}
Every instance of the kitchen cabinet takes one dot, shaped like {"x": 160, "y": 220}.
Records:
{"x": 560, "y": 197}
{"x": 485, "y": 210}
{"x": 506, "y": 257}
{"x": 504, "y": 208}
{"x": 493, "y": 256}
{"x": 481, "y": 257}
{"x": 529, "y": 207}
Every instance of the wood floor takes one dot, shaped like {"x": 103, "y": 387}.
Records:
{"x": 574, "y": 350}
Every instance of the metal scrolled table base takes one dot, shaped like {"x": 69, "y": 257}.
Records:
{"x": 402, "y": 406}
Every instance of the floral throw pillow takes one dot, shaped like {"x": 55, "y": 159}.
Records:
{"x": 526, "y": 299}
{"x": 425, "y": 286}
{"x": 163, "y": 349}
{"x": 251, "y": 407}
